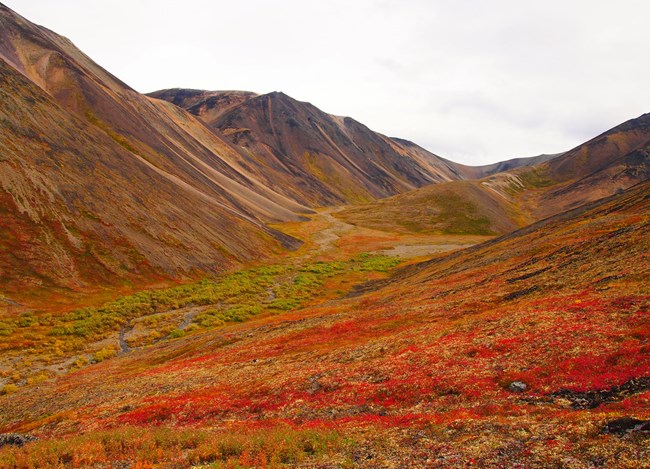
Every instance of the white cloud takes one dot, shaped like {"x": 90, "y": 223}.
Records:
{"x": 471, "y": 80}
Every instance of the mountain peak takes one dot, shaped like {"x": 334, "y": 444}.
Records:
{"x": 311, "y": 156}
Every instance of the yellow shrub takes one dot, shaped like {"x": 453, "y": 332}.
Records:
{"x": 104, "y": 354}
{"x": 8, "y": 389}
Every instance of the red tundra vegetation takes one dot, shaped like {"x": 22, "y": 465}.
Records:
{"x": 413, "y": 370}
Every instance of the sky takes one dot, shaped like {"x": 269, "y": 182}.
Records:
{"x": 474, "y": 81}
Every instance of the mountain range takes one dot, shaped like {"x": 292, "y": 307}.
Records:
{"x": 105, "y": 186}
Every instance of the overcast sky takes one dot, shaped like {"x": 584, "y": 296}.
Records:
{"x": 472, "y": 80}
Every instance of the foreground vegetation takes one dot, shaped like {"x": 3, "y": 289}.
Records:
{"x": 276, "y": 447}
{"x": 526, "y": 351}
{"x": 39, "y": 346}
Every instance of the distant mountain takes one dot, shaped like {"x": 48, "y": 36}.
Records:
{"x": 515, "y": 163}
{"x": 501, "y": 202}
{"x": 313, "y": 157}
{"x": 318, "y": 158}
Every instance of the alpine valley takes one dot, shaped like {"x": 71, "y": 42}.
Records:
{"x": 194, "y": 278}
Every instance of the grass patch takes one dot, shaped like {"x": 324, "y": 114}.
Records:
{"x": 537, "y": 177}
{"x": 376, "y": 263}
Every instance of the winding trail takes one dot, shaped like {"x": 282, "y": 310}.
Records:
{"x": 327, "y": 238}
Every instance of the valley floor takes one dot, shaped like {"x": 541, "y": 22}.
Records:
{"x": 331, "y": 249}
{"x": 527, "y": 351}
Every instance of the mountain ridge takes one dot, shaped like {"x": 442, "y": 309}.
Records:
{"x": 297, "y": 136}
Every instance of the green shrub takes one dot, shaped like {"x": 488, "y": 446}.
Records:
{"x": 376, "y": 263}
{"x": 176, "y": 333}
{"x": 27, "y": 319}
{"x": 6, "y": 328}
{"x": 327, "y": 269}
{"x": 285, "y": 304}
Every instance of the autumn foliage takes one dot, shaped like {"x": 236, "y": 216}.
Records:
{"x": 416, "y": 371}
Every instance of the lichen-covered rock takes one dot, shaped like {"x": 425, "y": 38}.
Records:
{"x": 15, "y": 439}
{"x": 518, "y": 386}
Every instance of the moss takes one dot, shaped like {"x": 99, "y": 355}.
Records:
{"x": 537, "y": 177}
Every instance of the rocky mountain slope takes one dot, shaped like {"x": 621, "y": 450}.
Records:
{"x": 316, "y": 158}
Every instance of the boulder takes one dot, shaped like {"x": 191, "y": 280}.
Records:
{"x": 518, "y": 386}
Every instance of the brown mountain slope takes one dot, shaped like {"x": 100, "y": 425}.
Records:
{"x": 79, "y": 209}
{"x": 100, "y": 183}
{"x": 501, "y": 202}
{"x": 611, "y": 162}
{"x": 323, "y": 159}
{"x": 171, "y": 140}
